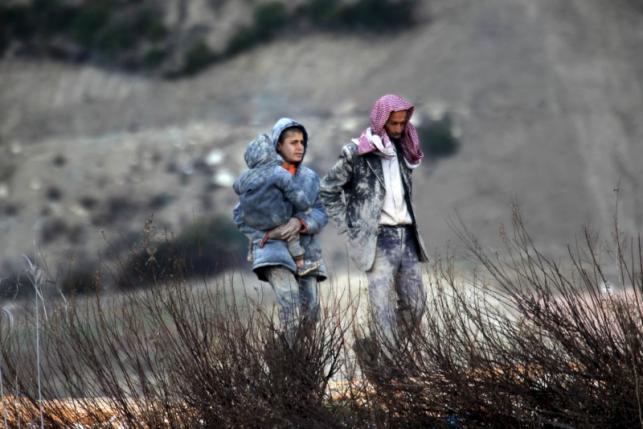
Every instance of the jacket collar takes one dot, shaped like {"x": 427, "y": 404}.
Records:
{"x": 375, "y": 164}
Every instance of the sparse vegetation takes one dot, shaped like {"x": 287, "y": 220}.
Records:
{"x": 370, "y": 16}
{"x": 438, "y": 137}
{"x": 169, "y": 357}
{"x": 133, "y": 35}
{"x": 80, "y": 281}
{"x": 88, "y": 202}
{"x": 204, "y": 248}
{"x": 53, "y": 229}
{"x": 10, "y": 209}
{"x": 197, "y": 57}
{"x": 269, "y": 19}
{"x": 59, "y": 160}
{"x": 118, "y": 34}
{"x": 113, "y": 208}
{"x": 526, "y": 342}
{"x": 363, "y": 16}
{"x": 160, "y": 200}
{"x": 531, "y": 342}
{"x": 53, "y": 193}
{"x": 13, "y": 286}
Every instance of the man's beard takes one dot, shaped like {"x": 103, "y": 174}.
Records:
{"x": 397, "y": 144}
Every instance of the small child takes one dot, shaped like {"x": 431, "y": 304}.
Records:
{"x": 268, "y": 194}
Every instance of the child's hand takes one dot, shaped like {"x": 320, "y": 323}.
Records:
{"x": 265, "y": 238}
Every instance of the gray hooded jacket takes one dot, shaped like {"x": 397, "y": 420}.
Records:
{"x": 275, "y": 252}
{"x": 267, "y": 192}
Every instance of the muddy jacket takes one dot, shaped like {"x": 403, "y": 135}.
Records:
{"x": 275, "y": 252}
{"x": 353, "y": 194}
{"x": 268, "y": 196}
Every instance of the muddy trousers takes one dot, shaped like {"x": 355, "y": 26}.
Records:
{"x": 396, "y": 293}
{"x": 297, "y": 298}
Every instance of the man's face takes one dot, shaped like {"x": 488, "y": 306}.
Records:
{"x": 292, "y": 147}
{"x": 396, "y": 124}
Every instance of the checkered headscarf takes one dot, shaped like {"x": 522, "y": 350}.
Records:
{"x": 380, "y": 113}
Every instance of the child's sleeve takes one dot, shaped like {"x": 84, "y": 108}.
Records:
{"x": 293, "y": 193}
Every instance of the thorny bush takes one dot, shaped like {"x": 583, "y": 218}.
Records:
{"x": 525, "y": 341}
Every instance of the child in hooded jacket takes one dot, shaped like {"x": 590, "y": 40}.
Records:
{"x": 268, "y": 196}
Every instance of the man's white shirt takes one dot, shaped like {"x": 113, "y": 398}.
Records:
{"x": 394, "y": 211}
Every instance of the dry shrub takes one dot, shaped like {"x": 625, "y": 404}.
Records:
{"x": 529, "y": 341}
{"x": 238, "y": 370}
{"x": 173, "y": 356}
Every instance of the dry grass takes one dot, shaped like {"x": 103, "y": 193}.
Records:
{"x": 526, "y": 342}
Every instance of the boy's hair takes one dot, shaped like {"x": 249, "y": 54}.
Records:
{"x": 285, "y": 133}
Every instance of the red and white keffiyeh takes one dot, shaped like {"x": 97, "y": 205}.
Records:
{"x": 375, "y": 138}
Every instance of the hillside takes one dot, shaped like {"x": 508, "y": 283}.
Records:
{"x": 547, "y": 95}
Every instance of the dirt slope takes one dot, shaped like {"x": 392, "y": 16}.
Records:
{"x": 547, "y": 96}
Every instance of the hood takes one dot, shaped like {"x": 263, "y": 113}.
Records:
{"x": 261, "y": 151}
{"x": 284, "y": 123}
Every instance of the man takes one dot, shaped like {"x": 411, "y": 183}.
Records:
{"x": 368, "y": 194}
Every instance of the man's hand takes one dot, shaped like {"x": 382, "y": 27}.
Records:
{"x": 286, "y": 231}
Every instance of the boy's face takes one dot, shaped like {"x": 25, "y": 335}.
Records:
{"x": 291, "y": 148}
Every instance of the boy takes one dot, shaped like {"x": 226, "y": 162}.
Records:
{"x": 267, "y": 196}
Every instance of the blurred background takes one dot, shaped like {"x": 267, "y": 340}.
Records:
{"x": 123, "y": 123}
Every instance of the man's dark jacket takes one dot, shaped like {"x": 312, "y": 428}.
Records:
{"x": 353, "y": 194}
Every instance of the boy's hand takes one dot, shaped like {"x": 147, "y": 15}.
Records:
{"x": 290, "y": 228}
{"x": 286, "y": 231}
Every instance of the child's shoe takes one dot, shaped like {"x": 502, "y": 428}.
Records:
{"x": 307, "y": 268}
